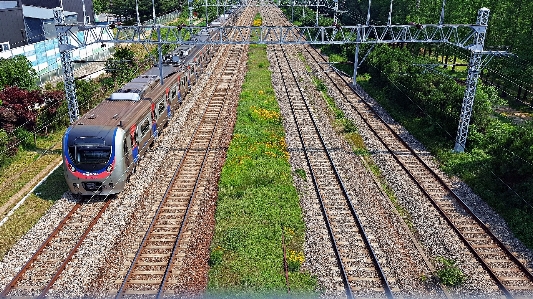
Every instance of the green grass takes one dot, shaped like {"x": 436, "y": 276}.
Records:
{"x": 257, "y": 201}
{"x": 31, "y": 211}
{"x": 27, "y": 163}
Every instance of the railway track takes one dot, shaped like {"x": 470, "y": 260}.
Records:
{"x": 38, "y": 275}
{"x": 511, "y": 276}
{"x": 156, "y": 264}
{"x": 358, "y": 263}
{"x": 46, "y": 266}
{"x": 156, "y": 255}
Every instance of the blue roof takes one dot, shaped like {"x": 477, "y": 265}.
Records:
{"x": 41, "y": 12}
{"x": 8, "y": 4}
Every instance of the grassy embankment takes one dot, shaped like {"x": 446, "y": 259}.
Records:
{"x": 257, "y": 202}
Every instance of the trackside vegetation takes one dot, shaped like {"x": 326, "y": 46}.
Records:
{"x": 257, "y": 203}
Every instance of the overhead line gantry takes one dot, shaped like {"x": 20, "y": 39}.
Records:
{"x": 465, "y": 36}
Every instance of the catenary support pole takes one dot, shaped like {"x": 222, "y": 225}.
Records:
{"x": 160, "y": 50}
{"x": 474, "y": 69}
{"x": 441, "y": 21}
{"x": 137, "y": 12}
{"x": 206, "y": 15}
{"x": 66, "y": 62}
{"x": 368, "y": 13}
{"x": 316, "y": 21}
{"x": 356, "y": 61}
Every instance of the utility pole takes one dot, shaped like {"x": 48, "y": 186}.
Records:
{"x": 153, "y": 11}
{"x": 316, "y": 22}
{"x": 474, "y": 69}
{"x": 206, "y": 15}
{"x": 441, "y": 21}
{"x": 66, "y": 61}
{"x": 137, "y": 12}
{"x": 190, "y": 12}
{"x": 358, "y": 43}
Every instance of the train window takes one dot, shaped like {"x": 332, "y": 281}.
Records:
{"x": 161, "y": 107}
{"x": 125, "y": 147}
{"x": 173, "y": 92}
{"x": 145, "y": 126}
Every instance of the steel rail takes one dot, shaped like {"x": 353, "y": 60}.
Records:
{"x": 373, "y": 256}
{"x": 200, "y": 172}
{"x": 50, "y": 238}
{"x": 33, "y": 258}
{"x": 513, "y": 258}
{"x": 74, "y": 250}
{"x": 120, "y": 293}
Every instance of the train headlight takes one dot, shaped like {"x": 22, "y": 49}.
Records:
{"x": 72, "y": 168}
{"x": 109, "y": 168}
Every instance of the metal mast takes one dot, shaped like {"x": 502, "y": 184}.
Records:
{"x": 66, "y": 61}
{"x": 474, "y": 69}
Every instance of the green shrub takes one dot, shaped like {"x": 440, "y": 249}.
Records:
{"x": 449, "y": 274}
{"x": 216, "y": 257}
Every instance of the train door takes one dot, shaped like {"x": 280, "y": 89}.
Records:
{"x": 134, "y": 144}
{"x": 126, "y": 152}
{"x": 172, "y": 97}
{"x": 154, "y": 116}
{"x": 142, "y": 133}
{"x": 161, "y": 109}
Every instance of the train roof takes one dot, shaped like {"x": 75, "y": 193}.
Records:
{"x": 131, "y": 102}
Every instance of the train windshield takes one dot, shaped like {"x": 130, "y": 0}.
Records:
{"x": 90, "y": 151}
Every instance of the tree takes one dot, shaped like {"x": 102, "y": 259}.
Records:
{"x": 17, "y": 71}
{"x": 100, "y": 6}
{"x": 21, "y": 108}
{"x": 122, "y": 64}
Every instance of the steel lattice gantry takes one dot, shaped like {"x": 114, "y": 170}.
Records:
{"x": 469, "y": 37}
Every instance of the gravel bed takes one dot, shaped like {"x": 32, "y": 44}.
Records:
{"x": 394, "y": 246}
{"x": 320, "y": 259}
{"x": 22, "y": 251}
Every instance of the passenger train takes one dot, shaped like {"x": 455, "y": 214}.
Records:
{"x": 102, "y": 148}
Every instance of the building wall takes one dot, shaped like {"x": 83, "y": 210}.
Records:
{"x": 68, "y": 5}
{"x": 11, "y": 22}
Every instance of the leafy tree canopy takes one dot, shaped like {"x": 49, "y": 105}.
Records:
{"x": 126, "y": 8}
{"x": 21, "y": 108}
{"x": 17, "y": 71}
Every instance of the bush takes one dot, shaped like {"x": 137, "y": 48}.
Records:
{"x": 449, "y": 274}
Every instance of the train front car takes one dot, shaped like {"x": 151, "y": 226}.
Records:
{"x": 93, "y": 159}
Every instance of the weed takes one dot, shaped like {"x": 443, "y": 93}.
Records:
{"x": 301, "y": 174}
{"x": 294, "y": 260}
{"x": 449, "y": 274}
{"x": 216, "y": 257}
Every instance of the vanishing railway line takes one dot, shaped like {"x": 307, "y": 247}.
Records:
{"x": 346, "y": 233}
{"x": 43, "y": 269}
{"x": 365, "y": 268}
{"x": 46, "y": 266}
{"x": 374, "y": 252}
{"x": 510, "y": 275}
